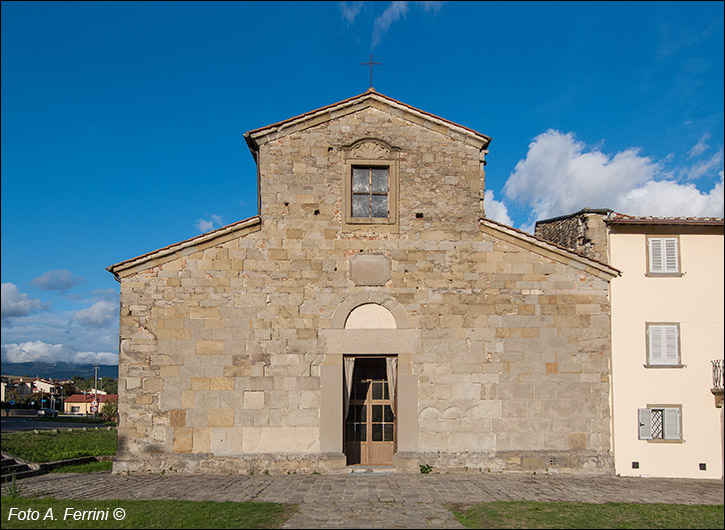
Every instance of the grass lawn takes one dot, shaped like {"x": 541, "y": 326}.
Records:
{"x": 75, "y": 419}
{"x": 46, "y": 446}
{"x": 146, "y": 514}
{"x": 526, "y": 514}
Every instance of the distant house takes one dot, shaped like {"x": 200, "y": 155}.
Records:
{"x": 83, "y": 403}
{"x": 47, "y": 386}
{"x": 19, "y": 386}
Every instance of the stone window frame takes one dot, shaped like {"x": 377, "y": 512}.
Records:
{"x": 371, "y": 152}
{"x": 648, "y": 358}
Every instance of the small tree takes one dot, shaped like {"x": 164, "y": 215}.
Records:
{"x": 69, "y": 389}
{"x": 109, "y": 411}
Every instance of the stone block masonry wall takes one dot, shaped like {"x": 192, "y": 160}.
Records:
{"x": 221, "y": 350}
{"x": 583, "y": 232}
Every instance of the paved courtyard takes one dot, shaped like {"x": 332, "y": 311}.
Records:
{"x": 375, "y": 501}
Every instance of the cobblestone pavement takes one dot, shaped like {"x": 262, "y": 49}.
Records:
{"x": 375, "y": 501}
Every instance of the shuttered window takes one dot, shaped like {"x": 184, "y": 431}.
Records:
{"x": 659, "y": 423}
{"x": 663, "y": 255}
{"x": 663, "y": 345}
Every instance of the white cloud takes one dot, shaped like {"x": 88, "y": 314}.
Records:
{"x": 26, "y": 352}
{"x": 91, "y": 357}
{"x": 57, "y": 280}
{"x": 700, "y": 147}
{"x": 17, "y": 304}
{"x": 667, "y": 198}
{"x": 99, "y": 314}
{"x": 391, "y": 14}
{"x": 560, "y": 175}
{"x": 382, "y": 24}
{"x": 32, "y": 351}
{"x": 496, "y": 210}
{"x": 431, "y": 6}
{"x": 206, "y": 225}
{"x": 106, "y": 294}
{"x": 350, "y": 10}
{"x": 68, "y": 336}
{"x": 705, "y": 167}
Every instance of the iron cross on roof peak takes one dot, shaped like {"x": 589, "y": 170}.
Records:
{"x": 371, "y": 64}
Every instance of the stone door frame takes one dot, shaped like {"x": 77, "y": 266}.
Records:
{"x": 337, "y": 342}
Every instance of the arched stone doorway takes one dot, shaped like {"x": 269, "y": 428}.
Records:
{"x": 369, "y": 394}
{"x": 367, "y": 386}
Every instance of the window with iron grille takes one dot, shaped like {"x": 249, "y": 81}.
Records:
{"x": 660, "y": 423}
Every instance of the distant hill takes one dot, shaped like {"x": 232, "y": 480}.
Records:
{"x": 58, "y": 370}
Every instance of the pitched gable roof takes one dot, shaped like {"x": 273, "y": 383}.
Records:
{"x": 88, "y": 398}
{"x": 256, "y": 137}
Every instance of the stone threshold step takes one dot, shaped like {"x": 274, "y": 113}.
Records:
{"x": 357, "y": 471}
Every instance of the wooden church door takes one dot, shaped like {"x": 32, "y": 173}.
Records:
{"x": 370, "y": 422}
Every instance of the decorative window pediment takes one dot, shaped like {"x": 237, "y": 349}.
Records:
{"x": 370, "y": 148}
{"x": 370, "y": 186}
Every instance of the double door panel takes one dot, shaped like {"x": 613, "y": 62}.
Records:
{"x": 370, "y": 422}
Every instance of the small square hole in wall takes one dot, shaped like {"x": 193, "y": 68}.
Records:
{"x": 419, "y": 215}
{"x": 635, "y": 465}
{"x": 703, "y": 466}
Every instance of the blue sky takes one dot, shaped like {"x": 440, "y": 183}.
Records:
{"x": 122, "y": 123}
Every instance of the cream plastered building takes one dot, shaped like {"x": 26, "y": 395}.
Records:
{"x": 370, "y": 315}
{"x": 667, "y": 337}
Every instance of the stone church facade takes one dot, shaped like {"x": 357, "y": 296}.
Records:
{"x": 369, "y": 315}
